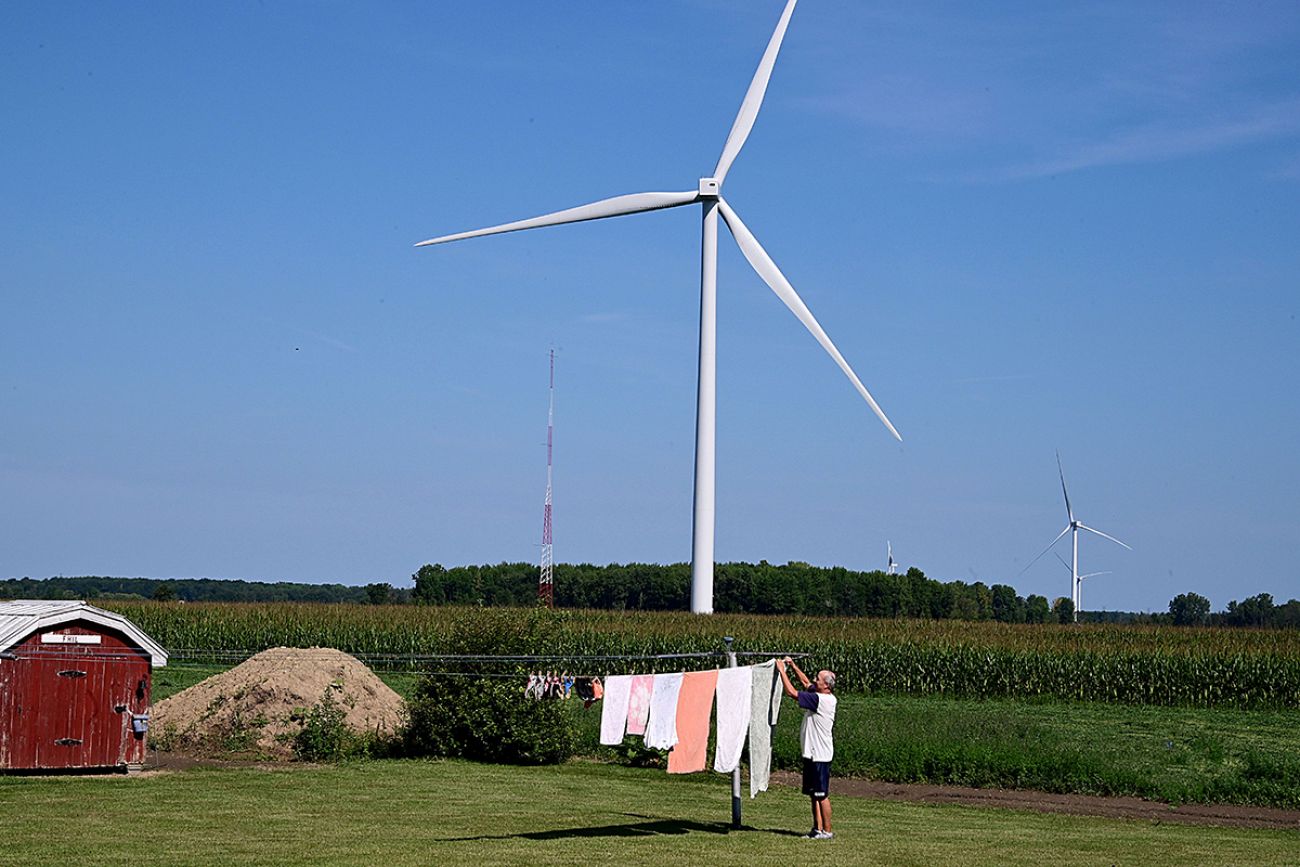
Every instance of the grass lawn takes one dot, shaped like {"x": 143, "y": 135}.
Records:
{"x": 411, "y": 812}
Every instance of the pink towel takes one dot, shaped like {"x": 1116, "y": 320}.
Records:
{"x": 694, "y": 707}
{"x": 638, "y": 703}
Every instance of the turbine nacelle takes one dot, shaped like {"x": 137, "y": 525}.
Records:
{"x": 710, "y": 188}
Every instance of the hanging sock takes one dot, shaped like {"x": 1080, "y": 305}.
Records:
{"x": 638, "y": 705}
{"x": 613, "y": 715}
{"x": 694, "y": 707}
{"x": 661, "y": 728}
{"x": 735, "y": 698}
{"x": 760, "y": 726}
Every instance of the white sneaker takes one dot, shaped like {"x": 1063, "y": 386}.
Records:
{"x": 823, "y": 835}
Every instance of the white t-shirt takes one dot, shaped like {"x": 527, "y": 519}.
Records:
{"x": 818, "y": 720}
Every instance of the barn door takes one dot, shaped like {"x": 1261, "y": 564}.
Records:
{"x": 82, "y": 711}
{"x": 54, "y": 711}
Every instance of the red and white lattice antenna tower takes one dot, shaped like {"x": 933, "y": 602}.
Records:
{"x": 546, "y": 582}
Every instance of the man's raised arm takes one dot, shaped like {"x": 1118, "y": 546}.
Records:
{"x": 785, "y": 677}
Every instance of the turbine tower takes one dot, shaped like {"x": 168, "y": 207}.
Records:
{"x": 707, "y": 194}
{"x": 1073, "y": 527}
{"x": 546, "y": 581}
{"x": 893, "y": 567}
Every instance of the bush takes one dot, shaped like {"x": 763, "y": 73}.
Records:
{"x": 487, "y": 720}
{"x": 325, "y": 736}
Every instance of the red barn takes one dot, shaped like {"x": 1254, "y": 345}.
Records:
{"x": 75, "y": 683}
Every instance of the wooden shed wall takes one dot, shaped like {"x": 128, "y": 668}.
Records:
{"x": 66, "y": 706}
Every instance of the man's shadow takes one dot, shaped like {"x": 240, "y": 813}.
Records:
{"x": 647, "y": 828}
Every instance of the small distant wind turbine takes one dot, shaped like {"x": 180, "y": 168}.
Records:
{"x": 893, "y": 566}
{"x": 1081, "y": 577}
{"x": 709, "y": 195}
{"x": 1076, "y": 580}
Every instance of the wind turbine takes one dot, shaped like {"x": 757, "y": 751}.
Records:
{"x": 1073, "y": 527}
{"x": 893, "y": 567}
{"x": 1079, "y": 592}
{"x": 708, "y": 194}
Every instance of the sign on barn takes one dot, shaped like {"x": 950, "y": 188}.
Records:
{"x": 75, "y": 687}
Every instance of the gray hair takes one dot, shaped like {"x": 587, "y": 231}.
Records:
{"x": 830, "y": 680}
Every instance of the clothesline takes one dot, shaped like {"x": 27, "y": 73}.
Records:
{"x": 672, "y": 711}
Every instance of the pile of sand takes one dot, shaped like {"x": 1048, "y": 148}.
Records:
{"x": 258, "y": 706}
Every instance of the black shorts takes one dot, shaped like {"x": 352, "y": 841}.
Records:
{"x": 816, "y": 778}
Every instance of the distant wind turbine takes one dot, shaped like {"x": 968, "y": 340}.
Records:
{"x": 1081, "y": 578}
{"x": 893, "y": 567}
{"x": 708, "y": 195}
{"x": 1073, "y": 527}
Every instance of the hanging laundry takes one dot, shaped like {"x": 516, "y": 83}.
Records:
{"x": 638, "y": 705}
{"x": 760, "y": 726}
{"x": 661, "y": 728}
{"x": 778, "y": 693}
{"x": 613, "y": 715}
{"x": 694, "y": 707}
{"x": 735, "y": 698}
{"x": 588, "y": 689}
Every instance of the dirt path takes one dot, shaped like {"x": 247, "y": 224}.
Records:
{"x": 1226, "y": 815}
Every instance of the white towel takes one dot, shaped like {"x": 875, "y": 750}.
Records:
{"x": 661, "y": 730}
{"x": 760, "y": 726}
{"x": 734, "y": 698}
{"x": 613, "y": 715}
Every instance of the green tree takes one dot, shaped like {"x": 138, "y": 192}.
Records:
{"x": 1037, "y": 609}
{"x": 380, "y": 593}
{"x": 1253, "y": 611}
{"x": 1007, "y": 607}
{"x": 1189, "y": 609}
{"x": 431, "y": 585}
{"x": 1063, "y": 609}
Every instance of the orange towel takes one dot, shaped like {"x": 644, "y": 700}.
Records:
{"x": 694, "y": 706}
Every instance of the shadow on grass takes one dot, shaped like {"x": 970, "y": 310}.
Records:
{"x": 648, "y": 828}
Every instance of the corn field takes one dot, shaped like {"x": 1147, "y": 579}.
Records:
{"x": 1203, "y": 667}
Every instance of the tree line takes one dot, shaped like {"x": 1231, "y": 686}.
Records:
{"x": 185, "y": 589}
{"x": 741, "y": 588}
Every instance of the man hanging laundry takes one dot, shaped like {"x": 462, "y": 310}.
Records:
{"x": 818, "y": 705}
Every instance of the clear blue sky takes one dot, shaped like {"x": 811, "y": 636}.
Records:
{"x": 1029, "y": 228}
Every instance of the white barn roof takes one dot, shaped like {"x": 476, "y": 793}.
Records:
{"x": 21, "y": 618}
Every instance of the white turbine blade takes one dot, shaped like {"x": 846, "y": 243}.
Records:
{"x": 1042, "y": 552}
{"x": 615, "y": 207}
{"x": 1068, "y": 510}
{"x": 1062, "y": 559}
{"x": 1103, "y": 535}
{"x": 772, "y": 275}
{"x": 753, "y": 97}
{"x": 1094, "y": 574}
